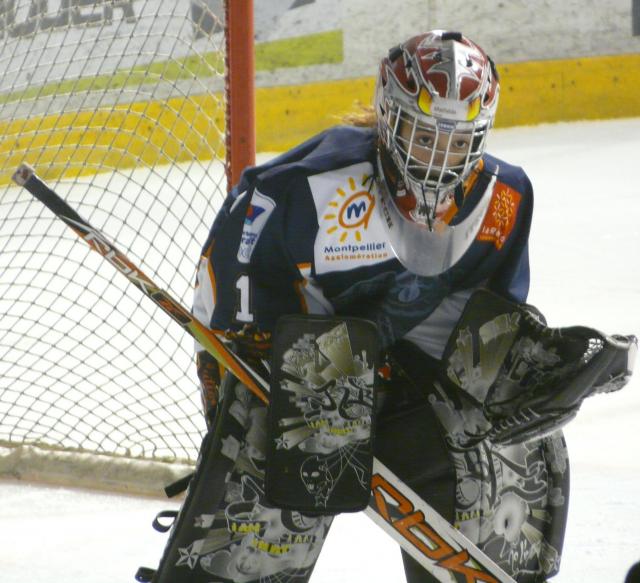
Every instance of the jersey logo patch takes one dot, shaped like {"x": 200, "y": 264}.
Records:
{"x": 258, "y": 214}
{"x": 501, "y": 215}
{"x": 349, "y": 213}
{"x": 253, "y": 212}
{"x": 350, "y": 233}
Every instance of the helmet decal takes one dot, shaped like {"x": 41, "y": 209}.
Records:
{"x": 436, "y": 98}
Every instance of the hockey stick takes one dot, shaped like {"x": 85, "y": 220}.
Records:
{"x": 25, "y": 176}
{"x": 439, "y": 547}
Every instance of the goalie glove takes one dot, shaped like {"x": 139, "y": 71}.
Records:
{"x": 251, "y": 344}
{"x": 551, "y": 397}
{"x": 529, "y": 379}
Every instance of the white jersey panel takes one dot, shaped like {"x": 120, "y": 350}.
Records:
{"x": 258, "y": 214}
{"x": 204, "y": 295}
{"x": 431, "y": 335}
{"x": 350, "y": 234}
{"x": 312, "y": 294}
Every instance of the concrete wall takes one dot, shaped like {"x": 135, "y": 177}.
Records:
{"x": 510, "y": 30}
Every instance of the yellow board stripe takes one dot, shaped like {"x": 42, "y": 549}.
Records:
{"x": 569, "y": 90}
{"x": 124, "y": 136}
{"x": 531, "y": 93}
{"x": 159, "y": 132}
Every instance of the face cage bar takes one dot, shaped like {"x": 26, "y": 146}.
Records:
{"x": 430, "y": 179}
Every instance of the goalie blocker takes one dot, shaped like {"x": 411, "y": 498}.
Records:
{"x": 240, "y": 520}
{"x": 321, "y": 411}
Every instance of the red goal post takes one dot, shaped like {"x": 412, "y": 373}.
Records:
{"x": 141, "y": 114}
{"x": 241, "y": 109}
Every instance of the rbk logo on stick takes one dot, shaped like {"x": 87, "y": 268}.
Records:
{"x": 411, "y": 523}
{"x": 98, "y": 243}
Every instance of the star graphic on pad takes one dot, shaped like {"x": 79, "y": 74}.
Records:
{"x": 188, "y": 556}
{"x": 282, "y": 442}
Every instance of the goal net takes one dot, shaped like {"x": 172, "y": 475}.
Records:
{"x": 121, "y": 107}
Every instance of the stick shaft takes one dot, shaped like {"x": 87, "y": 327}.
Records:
{"x": 26, "y": 177}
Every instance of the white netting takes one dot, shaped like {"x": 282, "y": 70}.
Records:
{"x": 119, "y": 106}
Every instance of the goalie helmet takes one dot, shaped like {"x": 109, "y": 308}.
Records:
{"x": 436, "y": 98}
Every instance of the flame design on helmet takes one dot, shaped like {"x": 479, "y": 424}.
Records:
{"x": 438, "y": 67}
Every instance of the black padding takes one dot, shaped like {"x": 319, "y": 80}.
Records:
{"x": 159, "y": 525}
{"x": 422, "y": 460}
{"x": 395, "y": 52}
{"x": 319, "y": 450}
{"x": 204, "y": 495}
{"x": 179, "y": 486}
{"x": 145, "y": 574}
{"x": 457, "y": 36}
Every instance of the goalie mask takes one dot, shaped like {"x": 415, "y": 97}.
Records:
{"x": 436, "y": 99}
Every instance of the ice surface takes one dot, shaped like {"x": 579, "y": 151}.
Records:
{"x": 585, "y": 270}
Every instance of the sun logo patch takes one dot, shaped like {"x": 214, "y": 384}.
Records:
{"x": 350, "y": 229}
{"x": 349, "y": 212}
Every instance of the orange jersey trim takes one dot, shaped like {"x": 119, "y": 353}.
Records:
{"x": 469, "y": 183}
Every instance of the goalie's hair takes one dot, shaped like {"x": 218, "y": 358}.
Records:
{"x": 362, "y": 116}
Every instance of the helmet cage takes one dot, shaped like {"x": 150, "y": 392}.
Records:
{"x": 434, "y": 133}
{"x": 433, "y": 155}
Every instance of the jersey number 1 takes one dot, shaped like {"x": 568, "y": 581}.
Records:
{"x": 244, "y": 313}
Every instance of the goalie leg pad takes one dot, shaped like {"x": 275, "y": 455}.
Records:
{"x": 320, "y": 449}
{"x": 511, "y": 501}
{"x": 226, "y": 531}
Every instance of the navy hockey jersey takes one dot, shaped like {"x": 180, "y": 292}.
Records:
{"x": 301, "y": 234}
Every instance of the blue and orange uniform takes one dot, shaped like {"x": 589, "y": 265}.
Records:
{"x": 302, "y": 234}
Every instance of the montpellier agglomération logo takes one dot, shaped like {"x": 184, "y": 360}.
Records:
{"x": 347, "y": 218}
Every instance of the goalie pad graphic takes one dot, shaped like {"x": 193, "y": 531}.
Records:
{"x": 529, "y": 379}
{"x": 226, "y": 531}
{"x": 320, "y": 449}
